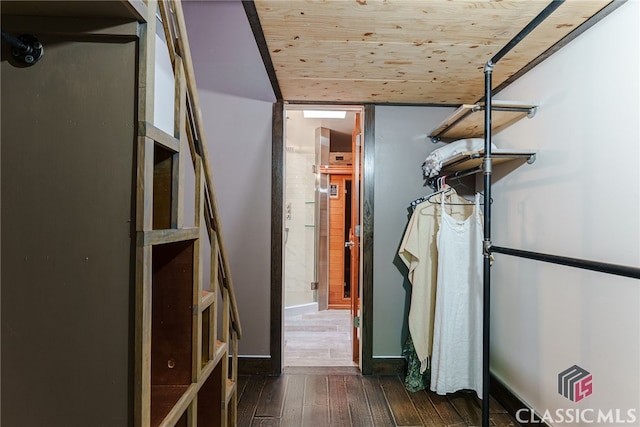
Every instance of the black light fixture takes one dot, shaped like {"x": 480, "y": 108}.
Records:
{"x": 25, "y": 48}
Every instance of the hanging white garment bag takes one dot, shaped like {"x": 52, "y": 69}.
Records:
{"x": 457, "y": 337}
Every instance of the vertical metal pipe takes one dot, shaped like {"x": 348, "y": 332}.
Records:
{"x": 487, "y": 166}
{"x": 486, "y": 280}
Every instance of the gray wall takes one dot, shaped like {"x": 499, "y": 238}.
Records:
{"x": 236, "y": 101}
{"x": 68, "y": 144}
{"x": 401, "y": 145}
{"x": 241, "y": 163}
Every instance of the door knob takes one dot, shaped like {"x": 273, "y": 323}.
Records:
{"x": 348, "y": 244}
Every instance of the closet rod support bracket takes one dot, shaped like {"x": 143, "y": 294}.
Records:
{"x": 25, "y": 48}
{"x": 487, "y": 165}
{"x": 532, "y": 112}
{"x": 488, "y": 67}
{"x": 486, "y": 248}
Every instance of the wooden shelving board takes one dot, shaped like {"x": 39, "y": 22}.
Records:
{"x": 207, "y": 299}
{"x": 230, "y": 390}
{"x": 468, "y": 120}
{"x": 471, "y": 160}
{"x": 159, "y": 136}
{"x": 161, "y": 237}
{"x": 221, "y": 350}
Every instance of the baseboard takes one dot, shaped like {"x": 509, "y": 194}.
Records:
{"x": 388, "y": 366}
{"x": 321, "y": 370}
{"x": 248, "y": 365}
{"x": 512, "y": 403}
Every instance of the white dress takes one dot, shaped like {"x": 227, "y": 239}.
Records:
{"x": 418, "y": 251}
{"x": 457, "y": 338}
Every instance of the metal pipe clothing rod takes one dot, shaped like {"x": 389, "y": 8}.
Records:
{"x": 462, "y": 174}
{"x": 526, "y": 30}
{"x": 512, "y": 109}
{"x": 618, "y": 270}
{"x": 16, "y": 42}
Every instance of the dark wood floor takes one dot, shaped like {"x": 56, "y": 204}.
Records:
{"x": 318, "y": 397}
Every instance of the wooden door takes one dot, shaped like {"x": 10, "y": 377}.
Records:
{"x": 339, "y": 226}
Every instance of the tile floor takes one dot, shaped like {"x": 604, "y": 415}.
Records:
{"x": 322, "y": 338}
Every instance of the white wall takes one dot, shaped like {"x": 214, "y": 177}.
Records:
{"x": 241, "y": 165}
{"x": 401, "y": 145}
{"x": 581, "y": 198}
{"x": 236, "y": 102}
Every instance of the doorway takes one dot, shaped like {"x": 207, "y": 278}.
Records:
{"x": 321, "y": 217}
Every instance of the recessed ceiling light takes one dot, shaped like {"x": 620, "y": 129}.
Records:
{"x": 324, "y": 114}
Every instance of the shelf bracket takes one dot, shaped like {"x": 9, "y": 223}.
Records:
{"x": 531, "y": 160}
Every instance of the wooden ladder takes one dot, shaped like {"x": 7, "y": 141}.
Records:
{"x": 186, "y": 362}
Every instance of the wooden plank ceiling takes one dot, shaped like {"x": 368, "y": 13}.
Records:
{"x": 405, "y": 51}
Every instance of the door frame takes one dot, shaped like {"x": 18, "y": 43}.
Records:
{"x": 277, "y": 238}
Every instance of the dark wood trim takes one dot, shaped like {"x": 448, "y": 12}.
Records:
{"x": 321, "y": 370}
{"x": 367, "y": 240}
{"x": 277, "y": 200}
{"x": 256, "y": 27}
{"x": 560, "y": 44}
{"x": 389, "y": 366}
{"x": 511, "y": 402}
{"x": 248, "y": 365}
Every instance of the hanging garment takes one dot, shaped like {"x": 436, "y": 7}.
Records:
{"x": 418, "y": 252}
{"x": 414, "y": 380}
{"x": 457, "y": 339}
